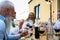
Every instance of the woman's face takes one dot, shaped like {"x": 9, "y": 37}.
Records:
{"x": 31, "y": 16}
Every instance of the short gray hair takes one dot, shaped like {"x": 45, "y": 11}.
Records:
{"x": 6, "y": 3}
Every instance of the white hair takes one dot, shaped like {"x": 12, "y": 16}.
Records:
{"x": 6, "y": 3}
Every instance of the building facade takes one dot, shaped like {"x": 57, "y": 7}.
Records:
{"x": 41, "y": 8}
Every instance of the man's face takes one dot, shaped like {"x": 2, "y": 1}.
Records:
{"x": 58, "y": 15}
{"x": 14, "y": 15}
{"x": 4, "y": 11}
{"x": 7, "y": 11}
{"x": 11, "y": 11}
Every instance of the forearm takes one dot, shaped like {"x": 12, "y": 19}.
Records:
{"x": 17, "y": 36}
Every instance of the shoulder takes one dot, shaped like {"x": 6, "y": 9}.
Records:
{"x": 2, "y": 23}
{"x": 57, "y": 22}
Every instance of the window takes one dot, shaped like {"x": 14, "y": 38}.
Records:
{"x": 37, "y": 11}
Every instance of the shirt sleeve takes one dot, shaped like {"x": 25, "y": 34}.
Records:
{"x": 17, "y": 36}
{"x": 14, "y": 36}
{"x": 2, "y": 29}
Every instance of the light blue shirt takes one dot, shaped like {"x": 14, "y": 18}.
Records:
{"x": 3, "y": 32}
{"x": 2, "y": 29}
{"x": 57, "y": 25}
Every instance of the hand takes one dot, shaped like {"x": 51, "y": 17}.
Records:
{"x": 21, "y": 34}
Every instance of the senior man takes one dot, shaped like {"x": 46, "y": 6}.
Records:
{"x": 6, "y": 10}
